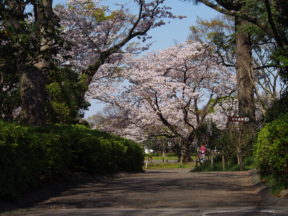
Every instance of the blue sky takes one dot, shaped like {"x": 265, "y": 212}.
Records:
{"x": 176, "y": 31}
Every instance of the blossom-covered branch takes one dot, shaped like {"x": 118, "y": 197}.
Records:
{"x": 99, "y": 35}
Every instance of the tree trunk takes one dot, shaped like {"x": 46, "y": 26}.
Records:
{"x": 223, "y": 161}
{"x": 240, "y": 160}
{"x": 32, "y": 78}
{"x": 185, "y": 152}
{"x": 32, "y": 93}
{"x": 212, "y": 161}
{"x": 244, "y": 69}
{"x": 163, "y": 155}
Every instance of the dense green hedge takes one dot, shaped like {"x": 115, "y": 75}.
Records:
{"x": 30, "y": 156}
{"x": 271, "y": 150}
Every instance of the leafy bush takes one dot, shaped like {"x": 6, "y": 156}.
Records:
{"x": 30, "y": 156}
{"x": 20, "y": 151}
{"x": 271, "y": 150}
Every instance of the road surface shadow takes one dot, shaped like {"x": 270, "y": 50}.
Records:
{"x": 54, "y": 189}
{"x": 175, "y": 188}
{"x": 158, "y": 190}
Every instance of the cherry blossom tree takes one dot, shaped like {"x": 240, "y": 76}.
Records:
{"x": 99, "y": 35}
{"x": 167, "y": 93}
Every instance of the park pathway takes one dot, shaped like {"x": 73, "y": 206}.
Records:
{"x": 160, "y": 193}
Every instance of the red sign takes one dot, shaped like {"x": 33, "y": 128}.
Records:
{"x": 238, "y": 119}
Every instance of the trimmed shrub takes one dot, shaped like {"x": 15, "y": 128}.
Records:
{"x": 31, "y": 156}
{"x": 271, "y": 150}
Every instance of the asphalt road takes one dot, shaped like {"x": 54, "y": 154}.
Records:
{"x": 159, "y": 192}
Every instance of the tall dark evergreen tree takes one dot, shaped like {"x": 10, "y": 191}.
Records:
{"x": 268, "y": 15}
{"x": 243, "y": 53}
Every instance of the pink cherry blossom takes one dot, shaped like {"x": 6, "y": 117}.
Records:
{"x": 100, "y": 35}
{"x": 170, "y": 92}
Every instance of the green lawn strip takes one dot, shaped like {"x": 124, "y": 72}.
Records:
{"x": 230, "y": 165}
{"x": 165, "y": 158}
{"x": 170, "y": 165}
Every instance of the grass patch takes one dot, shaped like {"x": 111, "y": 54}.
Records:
{"x": 170, "y": 154}
{"x": 169, "y": 158}
{"x": 170, "y": 165}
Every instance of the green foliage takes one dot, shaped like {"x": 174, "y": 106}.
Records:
{"x": 273, "y": 183}
{"x": 280, "y": 58}
{"x": 278, "y": 108}
{"x": 26, "y": 159}
{"x": 218, "y": 33}
{"x": 208, "y": 134}
{"x": 9, "y": 94}
{"x": 223, "y": 143}
{"x": 231, "y": 165}
{"x": 235, "y": 139}
{"x": 21, "y": 49}
{"x": 31, "y": 156}
{"x": 271, "y": 150}
{"x": 64, "y": 87}
{"x": 230, "y": 143}
{"x": 65, "y": 91}
{"x": 270, "y": 26}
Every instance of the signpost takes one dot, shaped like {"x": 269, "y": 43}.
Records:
{"x": 238, "y": 119}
